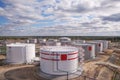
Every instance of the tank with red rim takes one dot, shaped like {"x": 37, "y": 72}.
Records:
{"x": 58, "y": 60}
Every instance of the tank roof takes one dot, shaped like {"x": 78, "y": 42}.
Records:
{"x": 93, "y": 42}
{"x": 65, "y": 38}
{"x": 83, "y": 44}
{"x": 59, "y": 49}
{"x": 19, "y": 44}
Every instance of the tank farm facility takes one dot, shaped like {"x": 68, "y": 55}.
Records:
{"x": 59, "y": 58}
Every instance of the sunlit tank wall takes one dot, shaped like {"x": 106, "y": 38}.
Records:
{"x": 30, "y": 52}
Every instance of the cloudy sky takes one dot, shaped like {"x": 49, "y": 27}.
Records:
{"x": 59, "y": 17}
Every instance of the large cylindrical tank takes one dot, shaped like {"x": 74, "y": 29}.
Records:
{"x": 105, "y": 43}
{"x": 58, "y": 60}
{"x": 98, "y": 46}
{"x": 18, "y": 53}
{"x": 89, "y": 50}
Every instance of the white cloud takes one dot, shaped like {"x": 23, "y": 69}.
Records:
{"x": 71, "y": 17}
{"x": 21, "y": 11}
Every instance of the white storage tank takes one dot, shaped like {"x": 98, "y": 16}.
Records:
{"x": 27, "y": 41}
{"x": 32, "y": 41}
{"x": 79, "y": 41}
{"x": 98, "y": 46}
{"x": 105, "y": 43}
{"x": 51, "y": 42}
{"x": 18, "y": 53}
{"x": 42, "y": 42}
{"x": 58, "y": 60}
{"x": 58, "y": 43}
{"x": 89, "y": 50}
{"x": 29, "y": 52}
{"x": 65, "y": 41}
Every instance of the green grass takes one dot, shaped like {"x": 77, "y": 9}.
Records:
{"x": 3, "y": 50}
